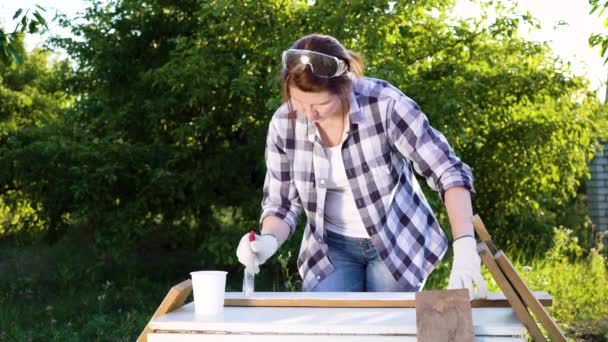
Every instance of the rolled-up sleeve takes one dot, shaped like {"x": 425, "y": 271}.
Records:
{"x": 411, "y": 134}
{"x": 280, "y": 195}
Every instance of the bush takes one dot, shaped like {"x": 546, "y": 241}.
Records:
{"x": 578, "y": 284}
{"x": 173, "y": 101}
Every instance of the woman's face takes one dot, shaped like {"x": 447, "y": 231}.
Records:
{"x": 318, "y": 107}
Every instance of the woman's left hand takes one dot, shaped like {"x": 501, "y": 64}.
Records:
{"x": 466, "y": 268}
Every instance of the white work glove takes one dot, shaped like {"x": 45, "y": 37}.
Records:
{"x": 466, "y": 268}
{"x": 253, "y": 254}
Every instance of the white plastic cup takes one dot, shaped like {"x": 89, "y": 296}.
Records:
{"x": 208, "y": 288}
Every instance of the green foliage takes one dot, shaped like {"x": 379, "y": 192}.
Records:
{"x": 31, "y": 97}
{"x": 164, "y": 145}
{"x": 32, "y": 94}
{"x": 10, "y": 42}
{"x": 61, "y": 293}
{"x": 599, "y": 39}
{"x": 577, "y": 283}
{"x": 291, "y": 280}
{"x": 516, "y": 115}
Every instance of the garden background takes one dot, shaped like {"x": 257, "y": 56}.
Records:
{"x": 136, "y": 156}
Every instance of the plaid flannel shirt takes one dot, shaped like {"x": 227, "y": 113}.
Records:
{"x": 387, "y": 134}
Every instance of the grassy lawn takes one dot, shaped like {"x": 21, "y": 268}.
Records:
{"x": 61, "y": 294}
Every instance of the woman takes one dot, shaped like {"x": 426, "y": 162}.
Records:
{"x": 342, "y": 147}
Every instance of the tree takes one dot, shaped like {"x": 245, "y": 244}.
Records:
{"x": 167, "y": 137}
{"x": 32, "y": 99}
{"x": 10, "y": 47}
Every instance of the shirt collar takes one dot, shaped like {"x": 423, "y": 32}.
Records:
{"x": 355, "y": 117}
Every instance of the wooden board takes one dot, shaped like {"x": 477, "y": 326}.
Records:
{"x": 355, "y": 299}
{"x": 480, "y": 229}
{"x": 527, "y": 296}
{"x": 483, "y": 233}
{"x": 173, "y": 300}
{"x": 451, "y": 309}
{"x": 513, "y": 298}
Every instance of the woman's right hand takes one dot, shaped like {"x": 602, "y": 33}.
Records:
{"x": 254, "y": 253}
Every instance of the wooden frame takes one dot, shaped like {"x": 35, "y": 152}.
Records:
{"x": 173, "y": 300}
{"x": 507, "y": 289}
{"x": 359, "y": 300}
{"x": 526, "y": 295}
{"x": 506, "y": 270}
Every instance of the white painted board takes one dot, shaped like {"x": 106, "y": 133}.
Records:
{"x": 326, "y": 321}
{"x": 189, "y": 337}
{"x": 359, "y": 296}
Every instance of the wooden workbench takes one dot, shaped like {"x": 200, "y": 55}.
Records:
{"x": 319, "y": 317}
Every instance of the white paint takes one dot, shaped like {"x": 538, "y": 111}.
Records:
{"x": 360, "y": 296}
{"x": 497, "y": 322}
{"x": 187, "y": 337}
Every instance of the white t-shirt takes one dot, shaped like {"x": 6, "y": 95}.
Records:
{"x": 341, "y": 213}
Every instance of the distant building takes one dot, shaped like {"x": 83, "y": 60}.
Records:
{"x": 597, "y": 192}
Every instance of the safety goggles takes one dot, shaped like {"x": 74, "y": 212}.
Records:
{"x": 321, "y": 65}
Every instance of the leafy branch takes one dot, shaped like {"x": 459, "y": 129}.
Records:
{"x": 600, "y": 39}
{"x": 25, "y": 23}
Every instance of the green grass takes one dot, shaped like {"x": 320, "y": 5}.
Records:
{"x": 64, "y": 293}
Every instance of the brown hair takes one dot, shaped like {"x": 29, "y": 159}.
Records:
{"x": 307, "y": 81}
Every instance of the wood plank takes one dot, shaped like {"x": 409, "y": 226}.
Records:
{"x": 450, "y": 307}
{"x": 484, "y": 235}
{"x": 355, "y": 299}
{"x": 527, "y": 296}
{"x": 513, "y": 298}
{"x": 174, "y": 299}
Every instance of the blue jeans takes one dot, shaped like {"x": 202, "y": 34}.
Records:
{"x": 357, "y": 268}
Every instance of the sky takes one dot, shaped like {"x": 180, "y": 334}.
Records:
{"x": 68, "y": 7}
{"x": 568, "y": 40}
